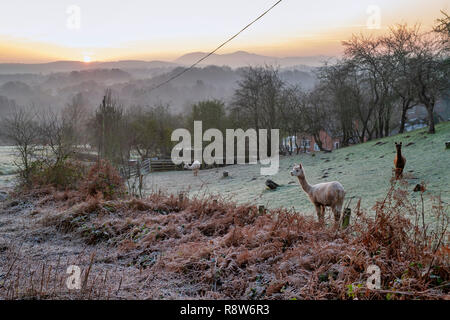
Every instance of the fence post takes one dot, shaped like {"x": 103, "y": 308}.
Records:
{"x": 346, "y": 218}
{"x": 261, "y": 209}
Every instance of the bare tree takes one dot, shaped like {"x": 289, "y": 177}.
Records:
{"x": 22, "y": 129}
{"x": 399, "y": 44}
{"x": 430, "y": 73}
{"x": 342, "y": 86}
{"x": 258, "y": 99}
{"x": 442, "y": 27}
{"x": 150, "y": 130}
{"x": 317, "y": 115}
{"x": 56, "y": 136}
{"x": 291, "y": 115}
{"x": 369, "y": 55}
{"x": 75, "y": 117}
{"x": 247, "y": 97}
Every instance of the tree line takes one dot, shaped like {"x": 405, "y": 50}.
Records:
{"x": 362, "y": 96}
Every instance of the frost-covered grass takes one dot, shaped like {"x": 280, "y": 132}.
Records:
{"x": 175, "y": 247}
{"x": 7, "y": 167}
{"x": 364, "y": 170}
{"x": 172, "y": 247}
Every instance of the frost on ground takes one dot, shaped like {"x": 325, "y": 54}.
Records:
{"x": 7, "y": 167}
{"x": 364, "y": 170}
{"x": 175, "y": 247}
{"x": 207, "y": 238}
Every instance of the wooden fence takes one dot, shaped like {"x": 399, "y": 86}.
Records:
{"x": 140, "y": 168}
{"x": 135, "y": 168}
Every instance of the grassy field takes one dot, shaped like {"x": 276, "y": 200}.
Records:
{"x": 7, "y": 167}
{"x": 364, "y": 170}
{"x": 171, "y": 247}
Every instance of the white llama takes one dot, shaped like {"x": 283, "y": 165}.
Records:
{"x": 326, "y": 194}
{"x": 195, "y": 166}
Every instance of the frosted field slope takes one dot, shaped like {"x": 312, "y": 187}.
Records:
{"x": 7, "y": 167}
{"x": 364, "y": 170}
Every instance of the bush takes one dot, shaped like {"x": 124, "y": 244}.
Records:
{"x": 103, "y": 180}
{"x": 61, "y": 175}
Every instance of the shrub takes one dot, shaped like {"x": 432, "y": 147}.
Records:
{"x": 61, "y": 175}
{"x": 103, "y": 180}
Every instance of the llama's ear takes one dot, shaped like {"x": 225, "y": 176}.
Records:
{"x": 400, "y": 143}
{"x": 300, "y": 165}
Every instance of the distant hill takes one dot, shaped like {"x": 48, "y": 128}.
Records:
{"x": 52, "y": 85}
{"x": 134, "y": 86}
{"x": 67, "y": 66}
{"x": 243, "y": 59}
{"x": 142, "y": 68}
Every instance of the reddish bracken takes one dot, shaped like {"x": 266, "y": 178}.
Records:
{"x": 103, "y": 180}
{"x": 174, "y": 247}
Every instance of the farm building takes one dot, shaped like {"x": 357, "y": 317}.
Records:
{"x": 307, "y": 143}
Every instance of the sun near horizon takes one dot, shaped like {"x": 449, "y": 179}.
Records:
{"x": 151, "y": 30}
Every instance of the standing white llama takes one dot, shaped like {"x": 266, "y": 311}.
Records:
{"x": 326, "y": 194}
{"x": 195, "y": 166}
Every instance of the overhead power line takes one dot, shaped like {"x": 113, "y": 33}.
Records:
{"x": 215, "y": 50}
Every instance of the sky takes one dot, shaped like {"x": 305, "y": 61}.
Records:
{"x": 110, "y": 30}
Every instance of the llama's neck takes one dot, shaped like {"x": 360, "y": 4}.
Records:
{"x": 305, "y": 185}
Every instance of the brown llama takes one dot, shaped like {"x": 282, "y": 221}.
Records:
{"x": 399, "y": 161}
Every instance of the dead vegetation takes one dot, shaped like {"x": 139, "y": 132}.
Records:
{"x": 25, "y": 280}
{"x": 210, "y": 248}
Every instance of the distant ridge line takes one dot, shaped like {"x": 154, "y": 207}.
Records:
{"x": 216, "y": 49}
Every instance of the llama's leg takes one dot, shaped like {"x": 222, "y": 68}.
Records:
{"x": 398, "y": 173}
{"x": 320, "y": 213}
{"x": 337, "y": 214}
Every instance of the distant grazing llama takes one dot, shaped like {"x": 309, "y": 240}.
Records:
{"x": 399, "y": 161}
{"x": 195, "y": 166}
{"x": 326, "y": 194}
